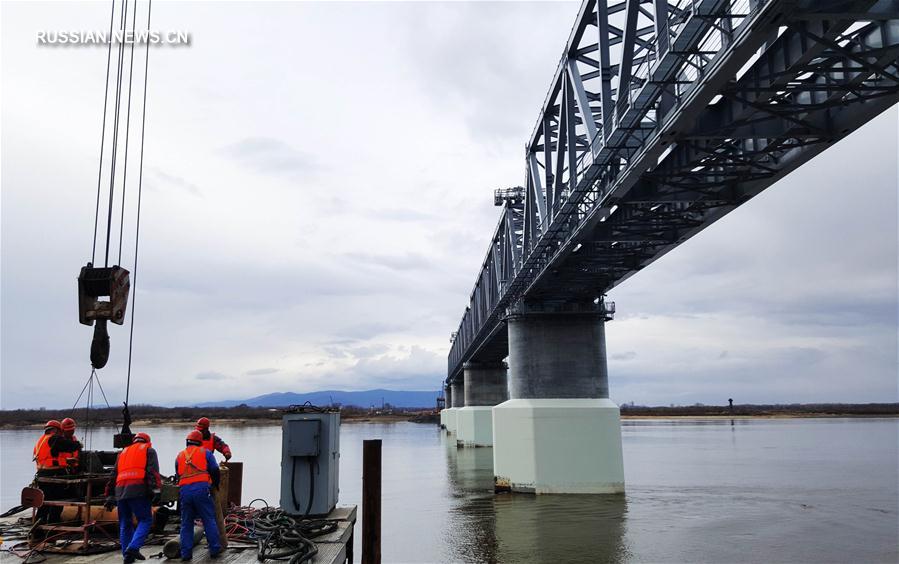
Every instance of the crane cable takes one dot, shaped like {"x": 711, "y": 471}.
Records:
{"x": 103, "y": 135}
{"x": 115, "y": 131}
{"x": 116, "y": 119}
{"x": 140, "y": 183}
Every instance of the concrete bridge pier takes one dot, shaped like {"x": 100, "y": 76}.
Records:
{"x": 446, "y": 405}
{"x": 486, "y": 385}
{"x": 558, "y": 432}
{"x": 457, "y": 396}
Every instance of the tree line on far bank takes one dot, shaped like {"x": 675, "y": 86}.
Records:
{"x": 856, "y": 409}
{"x": 188, "y": 415}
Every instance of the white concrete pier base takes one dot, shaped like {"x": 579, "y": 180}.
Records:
{"x": 547, "y": 446}
{"x": 443, "y": 419}
{"x": 450, "y": 420}
{"x": 460, "y": 429}
{"x": 475, "y": 425}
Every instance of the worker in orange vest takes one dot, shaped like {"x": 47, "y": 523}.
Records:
{"x": 211, "y": 441}
{"x": 135, "y": 482}
{"x": 43, "y": 458}
{"x": 198, "y": 474}
{"x": 47, "y": 453}
{"x": 69, "y": 457}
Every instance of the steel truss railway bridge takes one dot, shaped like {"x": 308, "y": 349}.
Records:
{"x": 662, "y": 116}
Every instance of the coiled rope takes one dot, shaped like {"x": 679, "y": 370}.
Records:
{"x": 277, "y": 534}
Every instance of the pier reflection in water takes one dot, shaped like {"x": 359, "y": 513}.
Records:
{"x": 525, "y": 528}
{"x": 799, "y": 490}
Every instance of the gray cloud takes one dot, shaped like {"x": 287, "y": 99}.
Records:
{"x": 270, "y": 156}
{"x": 365, "y": 331}
{"x": 401, "y": 214}
{"x": 211, "y": 375}
{"x": 626, "y": 355}
{"x": 260, "y": 371}
{"x": 407, "y": 261}
{"x": 162, "y": 177}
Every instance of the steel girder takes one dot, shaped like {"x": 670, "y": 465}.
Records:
{"x": 661, "y": 118}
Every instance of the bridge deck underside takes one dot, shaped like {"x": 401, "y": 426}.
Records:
{"x": 787, "y": 81}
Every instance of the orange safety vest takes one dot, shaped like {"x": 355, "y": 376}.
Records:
{"x": 61, "y": 458}
{"x": 192, "y": 466}
{"x": 42, "y": 455}
{"x": 132, "y": 464}
{"x": 210, "y": 443}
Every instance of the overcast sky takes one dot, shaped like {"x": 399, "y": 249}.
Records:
{"x": 318, "y": 199}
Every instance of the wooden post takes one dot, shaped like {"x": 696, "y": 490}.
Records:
{"x": 220, "y": 501}
{"x": 235, "y": 481}
{"x": 371, "y": 501}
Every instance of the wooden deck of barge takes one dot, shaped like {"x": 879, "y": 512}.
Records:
{"x": 333, "y": 548}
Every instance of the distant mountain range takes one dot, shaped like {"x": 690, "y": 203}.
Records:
{"x": 365, "y": 398}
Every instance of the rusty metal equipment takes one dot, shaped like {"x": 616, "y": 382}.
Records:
{"x": 235, "y": 481}
{"x": 84, "y": 526}
{"x": 84, "y": 532}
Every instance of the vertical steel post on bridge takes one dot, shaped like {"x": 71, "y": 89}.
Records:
{"x": 486, "y": 385}
{"x": 558, "y": 432}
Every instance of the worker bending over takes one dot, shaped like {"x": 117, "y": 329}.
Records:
{"x": 211, "y": 441}
{"x": 198, "y": 473}
{"x": 135, "y": 481}
{"x": 50, "y": 453}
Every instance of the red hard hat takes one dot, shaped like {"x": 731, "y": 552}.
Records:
{"x": 195, "y": 436}
{"x": 68, "y": 424}
{"x": 203, "y": 423}
{"x": 54, "y": 424}
{"x": 143, "y": 437}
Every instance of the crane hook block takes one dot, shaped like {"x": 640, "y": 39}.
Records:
{"x": 95, "y": 284}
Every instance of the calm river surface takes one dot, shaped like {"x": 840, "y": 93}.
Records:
{"x": 795, "y": 490}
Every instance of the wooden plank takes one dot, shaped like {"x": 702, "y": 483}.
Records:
{"x": 330, "y": 553}
{"x": 332, "y": 548}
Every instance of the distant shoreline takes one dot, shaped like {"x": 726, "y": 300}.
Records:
{"x": 147, "y": 416}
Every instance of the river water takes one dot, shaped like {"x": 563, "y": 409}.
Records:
{"x": 780, "y": 490}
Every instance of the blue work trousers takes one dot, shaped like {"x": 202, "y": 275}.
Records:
{"x": 196, "y": 502}
{"x": 136, "y": 507}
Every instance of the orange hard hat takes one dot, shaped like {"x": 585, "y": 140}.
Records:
{"x": 68, "y": 424}
{"x": 203, "y": 423}
{"x": 53, "y": 423}
{"x": 195, "y": 437}
{"x": 142, "y": 437}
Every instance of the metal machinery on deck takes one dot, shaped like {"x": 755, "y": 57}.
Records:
{"x": 80, "y": 496}
{"x": 310, "y": 459}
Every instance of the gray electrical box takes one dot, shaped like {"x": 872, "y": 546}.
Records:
{"x": 310, "y": 457}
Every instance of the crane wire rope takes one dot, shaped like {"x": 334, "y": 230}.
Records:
{"x": 116, "y": 126}
{"x": 115, "y": 132}
{"x": 89, "y": 388}
{"x": 127, "y": 134}
{"x": 140, "y": 183}
{"x": 103, "y": 135}
{"x": 123, "y": 22}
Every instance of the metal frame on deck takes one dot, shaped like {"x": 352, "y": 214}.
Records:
{"x": 78, "y": 537}
{"x": 663, "y": 116}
